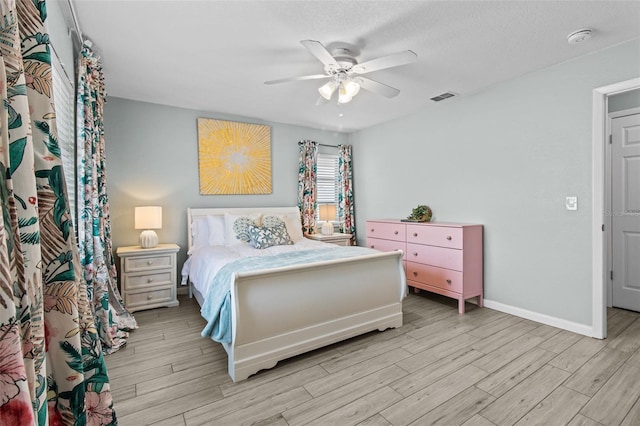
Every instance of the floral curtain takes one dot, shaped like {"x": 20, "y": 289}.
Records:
{"x": 345, "y": 194}
{"x": 307, "y": 185}
{"x": 94, "y": 229}
{"x": 52, "y": 369}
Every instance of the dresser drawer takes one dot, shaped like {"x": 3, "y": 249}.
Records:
{"x": 387, "y": 231}
{"x": 387, "y": 245}
{"x": 434, "y": 276}
{"x": 133, "y": 300}
{"x": 436, "y": 256}
{"x": 443, "y": 236}
{"x": 147, "y": 280}
{"x": 139, "y": 263}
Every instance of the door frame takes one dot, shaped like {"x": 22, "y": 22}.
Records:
{"x": 598, "y": 243}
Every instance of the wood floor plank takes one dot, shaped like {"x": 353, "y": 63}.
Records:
{"x": 619, "y": 323}
{"x": 328, "y": 402}
{"x": 360, "y": 409}
{"x": 613, "y": 401}
{"x": 437, "y": 352}
{"x": 633, "y": 416}
{"x": 458, "y": 409}
{"x": 420, "y": 403}
{"x": 515, "y": 404}
{"x": 375, "y": 420}
{"x": 502, "y": 380}
{"x": 478, "y": 420}
{"x": 507, "y": 353}
{"x": 558, "y": 408}
{"x": 433, "y": 372}
{"x": 628, "y": 340}
{"x": 502, "y": 337}
{"x": 355, "y": 372}
{"x": 559, "y": 342}
{"x": 578, "y": 353}
{"x": 595, "y": 372}
{"x": 580, "y": 420}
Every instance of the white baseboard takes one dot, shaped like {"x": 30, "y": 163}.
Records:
{"x": 574, "y": 327}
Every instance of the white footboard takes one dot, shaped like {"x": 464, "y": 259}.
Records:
{"x": 282, "y": 312}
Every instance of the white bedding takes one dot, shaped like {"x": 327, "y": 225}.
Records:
{"x": 204, "y": 262}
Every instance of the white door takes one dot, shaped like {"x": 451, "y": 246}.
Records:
{"x": 625, "y": 211}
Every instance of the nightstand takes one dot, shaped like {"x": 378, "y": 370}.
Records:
{"x": 148, "y": 276}
{"x": 335, "y": 238}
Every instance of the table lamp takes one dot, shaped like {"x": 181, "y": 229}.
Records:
{"x": 327, "y": 213}
{"x": 148, "y": 218}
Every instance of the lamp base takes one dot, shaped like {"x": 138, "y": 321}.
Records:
{"x": 327, "y": 228}
{"x": 148, "y": 239}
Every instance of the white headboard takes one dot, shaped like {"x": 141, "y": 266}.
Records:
{"x": 192, "y": 213}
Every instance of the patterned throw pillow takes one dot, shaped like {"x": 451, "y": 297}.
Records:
{"x": 271, "y": 234}
{"x": 241, "y": 228}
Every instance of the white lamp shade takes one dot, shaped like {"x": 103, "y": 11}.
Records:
{"x": 326, "y": 90}
{"x": 148, "y": 217}
{"x": 351, "y": 88}
{"x": 327, "y": 212}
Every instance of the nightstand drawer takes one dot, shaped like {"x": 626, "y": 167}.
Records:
{"x": 437, "y": 277}
{"x": 134, "y": 300}
{"x": 436, "y": 256}
{"x": 147, "y": 280}
{"x": 133, "y": 264}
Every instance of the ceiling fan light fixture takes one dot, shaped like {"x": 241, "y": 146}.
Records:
{"x": 327, "y": 89}
{"x": 351, "y": 88}
{"x": 343, "y": 96}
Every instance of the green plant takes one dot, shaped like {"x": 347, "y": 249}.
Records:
{"x": 421, "y": 213}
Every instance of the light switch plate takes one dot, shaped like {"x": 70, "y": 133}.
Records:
{"x": 572, "y": 203}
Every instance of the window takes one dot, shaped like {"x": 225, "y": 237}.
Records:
{"x": 64, "y": 102}
{"x": 327, "y": 181}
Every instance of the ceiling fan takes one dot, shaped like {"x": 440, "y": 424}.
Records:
{"x": 345, "y": 73}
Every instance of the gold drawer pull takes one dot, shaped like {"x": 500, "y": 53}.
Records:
{"x": 149, "y": 297}
{"x": 149, "y": 262}
{"x": 415, "y": 274}
{"x": 415, "y": 234}
{"x": 149, "y": 280}
{"x": 449, "y": 282}
{"x": 449, "y": 237}
{"x": 395, "y": 232}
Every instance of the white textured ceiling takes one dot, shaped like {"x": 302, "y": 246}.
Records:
{"x": 215, "y": 55}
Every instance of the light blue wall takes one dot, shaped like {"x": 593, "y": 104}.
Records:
{"x": 152, "y": 159}
{"x": 505, "y": 157}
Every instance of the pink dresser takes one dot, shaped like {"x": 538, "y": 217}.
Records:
{"x": 444, "y": 258}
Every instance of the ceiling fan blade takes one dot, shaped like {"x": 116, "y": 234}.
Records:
{"x": 397, "y": 59}
{"x": 302, "y": 77}
{"x": 319, "y": 51}
{"x": 377, "y": 88}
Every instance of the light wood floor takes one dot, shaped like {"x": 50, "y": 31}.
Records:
{"x": 481, "y": 368}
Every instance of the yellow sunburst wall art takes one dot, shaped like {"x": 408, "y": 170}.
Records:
{"x": 233, "y": 157}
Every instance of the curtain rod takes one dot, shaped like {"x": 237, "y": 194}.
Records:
{"x": 330, "y": 146}
{"x": 76, "y": 25}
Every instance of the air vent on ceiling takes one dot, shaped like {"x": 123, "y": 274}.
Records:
{"x": 443, "y": 96}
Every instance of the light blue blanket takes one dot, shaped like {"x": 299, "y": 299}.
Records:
{"x": 216, "y": 308}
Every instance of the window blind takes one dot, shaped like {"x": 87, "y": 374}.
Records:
{"x": 327, "y": 179}
{"x": 64, "y": 103}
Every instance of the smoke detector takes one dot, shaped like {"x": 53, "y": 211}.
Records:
{"x": 579, "y": 36}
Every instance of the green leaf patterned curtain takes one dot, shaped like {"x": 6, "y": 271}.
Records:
{"x": 94, "y": 228}
{"x": 52, "y": 369}
{"x": 346, "y": 213}
{"x": 307, "y": 185}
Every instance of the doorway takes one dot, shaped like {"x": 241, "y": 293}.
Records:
{"x": 599, "y": 253}
{"x": 622, "y": 193}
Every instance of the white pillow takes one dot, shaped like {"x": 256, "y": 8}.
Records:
{"x": 293, "y": 223}
{"x": 216, "y": 230}
{"x": 199, "y": 233}
{"x": 230, "y": 235}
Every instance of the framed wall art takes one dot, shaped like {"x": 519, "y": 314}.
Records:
{"x": 233, "y": 157}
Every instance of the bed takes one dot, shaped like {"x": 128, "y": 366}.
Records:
{"x": 277, "y": 312}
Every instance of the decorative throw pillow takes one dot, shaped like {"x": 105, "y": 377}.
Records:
{"x": 293, "y": 224}
{"x": 262, "y": 237}
{"x": 237, "y": 227}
